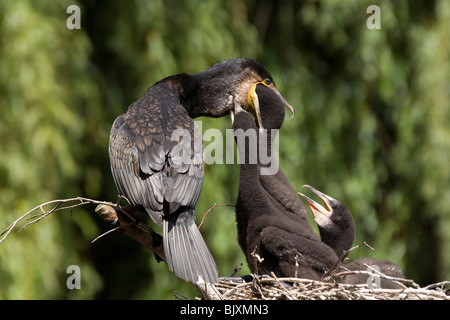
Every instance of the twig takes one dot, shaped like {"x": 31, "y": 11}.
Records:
{"x": 382, "y": 275}
{"x": 80, "y": 202}
{"x": 256, "y": 259}
{"x": 111, "y": 213}
{"x": 239, "y": 267}
{"x": 215, "y": 205}
{"x": 435, "y": 285}
{"x": 106, "y": 233}
{"x": 288, "y": 294}
{"x": 179, "y": 296}
{"x": 342, "y": 260}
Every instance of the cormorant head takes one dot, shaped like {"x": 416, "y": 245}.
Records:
{"x": 270, "y": 108}
{"x": 257, "y": 76}
{"x": 334, "y": 220}
{"x": 233, "y": 80}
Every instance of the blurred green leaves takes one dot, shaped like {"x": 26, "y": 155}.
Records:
{"x": 371, "y": 127}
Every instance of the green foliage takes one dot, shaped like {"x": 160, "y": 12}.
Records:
{"x": 371, "y": 127}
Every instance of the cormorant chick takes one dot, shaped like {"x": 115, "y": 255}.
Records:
{"x": 271, "y": 221}
{"x": 336, "y": 228}
{"x": 334, "y": 220}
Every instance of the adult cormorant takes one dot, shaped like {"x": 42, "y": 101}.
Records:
{"x": 271, "y": 220}
{"x": 336, "y": 228}
{"x": 156, "y": 153}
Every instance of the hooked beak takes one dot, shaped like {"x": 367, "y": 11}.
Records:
{"x": 322, "y": 214}
{"x": 252, "y": 105}
{"x": 286, "y": 104}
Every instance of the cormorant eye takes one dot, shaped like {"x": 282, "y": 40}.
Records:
{"x": 267, "y": 82}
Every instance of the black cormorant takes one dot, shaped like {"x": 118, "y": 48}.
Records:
{"x": 336, "y": 228}
{"x": 269, "y": 214}
{"x": 156, "y": 153}
{"x": 334, "y": 220}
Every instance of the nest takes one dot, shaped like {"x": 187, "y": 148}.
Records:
{"x": 328, "y": 288}
{"x": 273, "y": 288}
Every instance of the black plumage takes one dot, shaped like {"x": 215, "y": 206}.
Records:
{"x": 336, "y": 228}
{"x": 334, "y": 220}
{"x": 156, "y": 153}
{"x": 271, "y": 220}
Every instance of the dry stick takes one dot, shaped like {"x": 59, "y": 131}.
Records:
{"x": 215, "y": 205}
{"x": 382, "y": 275}
{"x": 80, "y": 201}
{"x": 256, "y": 258}
{"x": 438, "y": 284}
{"x": 287, "y": 293}
{"x": 111, "y": 213}
{"x": 239, "y": 267}
{"x": 342, "y": 260}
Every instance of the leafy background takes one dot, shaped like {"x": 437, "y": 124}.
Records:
{"x": 371, "y": 127}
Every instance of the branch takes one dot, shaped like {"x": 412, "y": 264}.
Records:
{"x": 120, "y": 218}
{"x": 79, "y": 201}
{"x": 113, "y": 214}
{"x": 127, "y": 224}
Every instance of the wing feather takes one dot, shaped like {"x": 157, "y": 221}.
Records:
{"x": 144, "y": 168}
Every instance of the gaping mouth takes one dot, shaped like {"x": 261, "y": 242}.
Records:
{"x": 321, "y": 213}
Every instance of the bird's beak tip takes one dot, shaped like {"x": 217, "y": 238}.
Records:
{"x": 292, "y": 110}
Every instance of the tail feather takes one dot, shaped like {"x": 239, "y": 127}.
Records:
{"x": 186, "y": 252}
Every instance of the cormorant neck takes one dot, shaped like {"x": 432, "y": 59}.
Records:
{"x": 200, "y": 94}
{"x": 339, "y": 234}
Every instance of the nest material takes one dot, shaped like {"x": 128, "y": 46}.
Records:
{"x": 328, "y": 288}
{"x": 273, "y": 288}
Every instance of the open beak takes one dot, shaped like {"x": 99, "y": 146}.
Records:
{"x": 322, "y": 214}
